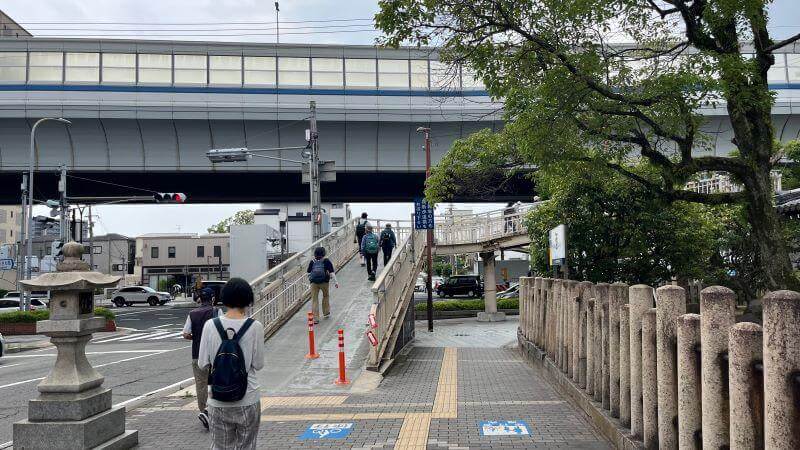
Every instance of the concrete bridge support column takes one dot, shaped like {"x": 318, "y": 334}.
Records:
{"x": 490, "y": 314}
{"x": 782, "y": 370}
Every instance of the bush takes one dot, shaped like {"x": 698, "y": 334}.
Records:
{"x": 468, "y": 305}
{"x": 43, "y": 314}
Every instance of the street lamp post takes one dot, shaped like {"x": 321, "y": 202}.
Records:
{"x": 429, "y": 234}
{"x": 25, "y": 304}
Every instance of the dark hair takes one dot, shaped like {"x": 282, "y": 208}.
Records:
{"x": 319, "y": 252}
{"x": 364, "y": 215}
{"x": 237, "y": 293}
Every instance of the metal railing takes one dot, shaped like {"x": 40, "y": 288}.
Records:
{"x": 483, "y": 227}
{"x": 392, "y": 291}
{"x": 283, "y": 289}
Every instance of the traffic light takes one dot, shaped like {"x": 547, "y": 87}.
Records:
{"x": 169, "y": 197}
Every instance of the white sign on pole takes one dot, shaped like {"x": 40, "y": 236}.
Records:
{"x": 558, "y": 245}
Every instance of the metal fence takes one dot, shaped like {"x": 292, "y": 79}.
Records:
{"x": 674, "y": 380}
{"x": 483, "y": 227}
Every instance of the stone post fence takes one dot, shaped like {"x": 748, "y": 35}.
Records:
{"x": 649, "y": 375}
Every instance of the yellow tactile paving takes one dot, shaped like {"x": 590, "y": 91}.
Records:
{"x": 414, "y": 432}
{"x": 445, "y": 405}
{"x": 317, "y": 400}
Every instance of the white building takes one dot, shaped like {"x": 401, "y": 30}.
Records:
{"x": 294, "y": 221}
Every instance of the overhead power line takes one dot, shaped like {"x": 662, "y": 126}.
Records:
{"x": 134, "y": 33}
{"x": 78, "y": 22}
{"x": 297, "y": 28}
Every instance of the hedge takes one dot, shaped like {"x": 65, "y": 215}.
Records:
{"x": 44, "y": 314}
{"x": 468, "y": 305}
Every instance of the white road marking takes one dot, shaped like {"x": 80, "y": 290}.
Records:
{"x": 112, "y": 339}
{"x": 166, "y": 336}
{"x": 129, "y": 319}
{"x": 162, "y": 326}
{"x": 139, "y": 336}
{"x": 156, "y": 353}
{"x": 10, "y": 365}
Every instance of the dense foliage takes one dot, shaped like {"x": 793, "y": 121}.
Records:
{"x": 44, "y": 314}
{"x": 468, "y": 305}
{"x": 245, "y": 217}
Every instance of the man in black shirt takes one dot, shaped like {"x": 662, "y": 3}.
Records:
{"x": 193, "y": 329}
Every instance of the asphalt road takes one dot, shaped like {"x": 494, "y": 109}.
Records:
{"x": 149, "y": 354}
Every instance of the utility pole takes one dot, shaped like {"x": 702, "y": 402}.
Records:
{"x": 21, "y": 235}
{"x": 91, "y": 236}
{"x": 428, "y": 252}
{"x": 314, "y": 182}
{"x": 277, "y": 23}
{"x": 62, "y": 189}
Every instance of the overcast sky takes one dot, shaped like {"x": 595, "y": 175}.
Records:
{"x": 296, "y": 16}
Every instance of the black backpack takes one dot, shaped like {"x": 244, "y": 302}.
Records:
{"x": 318, "y": 273}
{"x": 228, "y": 376}
{"x": 361, "y": 227}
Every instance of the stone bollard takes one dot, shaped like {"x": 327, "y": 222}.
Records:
{"x": 670, "y": 304}
{"x": 618, "y": 296}
{"x": 649, "y": 380}
{"x": 624, "y": 367}
{"x": 73, "y": 409}
{"x": 641, "y": 299}
{"x": 601, "y": 339}
{"x": 575, "y": 311}
{"x": 590, "y": 347}
{"x": 689, "y": 383}
{"x": 717, "y": 305}
{"x": 746, "y": 383}
{"x": 525, "y": 303}
{"x": 571, "y": 326}
{"x": 585, "y": 294}
{"x": 782, "y": 370}
{"x": 552, "y": 311}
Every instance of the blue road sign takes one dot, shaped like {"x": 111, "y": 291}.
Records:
{"x": 423, "y": 214}
{"x": 6, "y": 264}
{"x": 327, "y": 431}
{"x": 505, "y": 428}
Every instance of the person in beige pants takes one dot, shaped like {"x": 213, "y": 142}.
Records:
{"x": 320, "y": 271}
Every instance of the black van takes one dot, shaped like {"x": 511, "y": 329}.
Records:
{"x": 469, "y": 285}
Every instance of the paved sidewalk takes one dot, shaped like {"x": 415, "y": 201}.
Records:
{"x": 433, "y": 398}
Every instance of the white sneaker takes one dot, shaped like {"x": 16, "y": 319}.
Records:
{"x": 203, "y": 418}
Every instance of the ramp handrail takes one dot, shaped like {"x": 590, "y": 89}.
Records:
{"x": 483, "y": 227}
{"x": 393, "y": 290}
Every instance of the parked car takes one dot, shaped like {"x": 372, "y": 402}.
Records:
{"x": 511, "y": 292}
{"x": 127, "y": 296}
{"x": 44, "y": 296}
{"x": 469, "y": 285}
{"x": 9, "y": 304}
{"x": 216, "y": 286}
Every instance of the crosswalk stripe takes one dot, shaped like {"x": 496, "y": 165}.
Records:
{"x": 143, "y": 336}
{"x": 112, "y": 339}
{"x": 166, "y": 336}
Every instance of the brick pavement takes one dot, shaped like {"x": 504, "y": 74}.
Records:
{"x": 433, "y": 398}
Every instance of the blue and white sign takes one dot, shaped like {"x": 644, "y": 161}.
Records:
{"x": 6, "y": 264}
{"x": 505, "y": 428}
{"x": 423, "y": 214}
{"x": 328, "y": 431}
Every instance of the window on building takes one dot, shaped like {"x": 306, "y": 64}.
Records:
{"x": 82, "y": 68}
{"x": 97, "y": 249}
{"x": 359, "y": 73}
{"x": 217, "y": 251}
{"x": 793, "y": 63}
{"x": 293, "y": 72}
{"x": 327, "y": 72}
{"x": 225, "y": 70}
{"x": 443, "y": 76}
{"x": 154, "y": 252}
{"x": 201, "y": 251}
{"x": 119, "y": 68}
{"x": 12, "y": 67}
{"x": 170, "y": 252}
{"x": 259, "y": 70}
{"x": 155, "y": 69}
{"x": 45, "y": 67}
{"x": 419, "y": 74}
{"x": 393, "y": 73}
{"x": 190, "y": 69}
{"x": 777, "y": 73}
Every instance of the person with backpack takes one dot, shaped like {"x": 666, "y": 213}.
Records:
{"x": 193, "y": 329}
{"x": 232, "y": 349}
{"x": 361, "y": 230}
{"x": 388, "y": 243}
{"x": 320, "y": 271}
{"x": 369, "y": 248}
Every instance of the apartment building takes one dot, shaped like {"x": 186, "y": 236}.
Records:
{"x": 165, "y": 259}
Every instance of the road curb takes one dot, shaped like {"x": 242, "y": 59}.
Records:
{"x": 144, "y": 399}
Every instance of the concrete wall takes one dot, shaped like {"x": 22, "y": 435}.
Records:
{"x": 249, "y": 249}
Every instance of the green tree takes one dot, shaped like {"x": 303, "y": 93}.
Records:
{"x": 245, "y": 217}
{"x": 571, "y": 97}
{"x": 618, "y": 232}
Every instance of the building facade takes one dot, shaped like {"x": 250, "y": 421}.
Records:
{"x": 294, "y": 221}
{"x": 10, "y": 220}
{"x": 166, "y": 259}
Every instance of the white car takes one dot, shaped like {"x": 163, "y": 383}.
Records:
{"x": 9, "y": 304}
{"x": 127, "y": 296}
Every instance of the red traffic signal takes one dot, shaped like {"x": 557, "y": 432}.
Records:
{"x": 169, "y": 197}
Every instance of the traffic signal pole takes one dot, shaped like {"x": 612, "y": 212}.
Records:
{"x": 429, "y": 234}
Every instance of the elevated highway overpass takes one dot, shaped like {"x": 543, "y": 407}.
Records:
{"x": 145, "y": 112}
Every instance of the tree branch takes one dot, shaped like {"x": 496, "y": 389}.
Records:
{"x": 782, "y": 43}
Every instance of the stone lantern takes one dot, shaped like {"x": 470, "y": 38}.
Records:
{"x": 73, "y": 410}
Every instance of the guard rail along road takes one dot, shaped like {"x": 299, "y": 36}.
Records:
{"x": 658, "y": 377}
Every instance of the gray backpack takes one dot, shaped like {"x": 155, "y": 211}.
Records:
{"x": 318, "y": 273}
